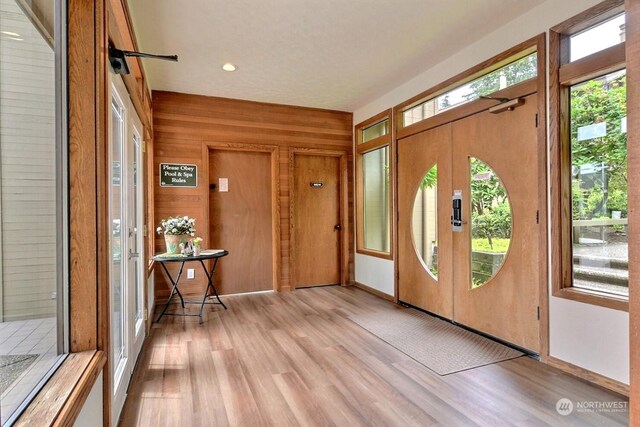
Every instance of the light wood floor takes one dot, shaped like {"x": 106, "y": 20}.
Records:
{"x": 296, "y": 359}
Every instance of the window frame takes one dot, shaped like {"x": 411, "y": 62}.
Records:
{"x": 506, "y": 57}
{"x": 361, "y": 149}
{"x": 56, "y": 38}
{"x": 562, "y": 75}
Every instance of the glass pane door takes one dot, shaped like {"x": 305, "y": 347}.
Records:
{"x": 118, "y": 297}
{"x": 135, "y": 266}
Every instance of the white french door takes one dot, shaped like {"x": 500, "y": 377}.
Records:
{"x": 126, "y": 267}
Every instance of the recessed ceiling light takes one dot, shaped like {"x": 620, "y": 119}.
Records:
{"x": 16, "y": 39}
{"x": 10, "y": 33}
{"x": 229, "y": 67}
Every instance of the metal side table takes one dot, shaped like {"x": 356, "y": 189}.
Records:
{"x": 164, "y": 259}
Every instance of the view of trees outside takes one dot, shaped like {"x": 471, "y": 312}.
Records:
{"x": 599, "y": 157}
{"x": 509, "y": 75}
{"x": 490, "y": 210}
{"x": 599, "y": 184}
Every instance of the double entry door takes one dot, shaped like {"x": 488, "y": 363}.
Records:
{"x": 468, "y": 223}
{"x": 126, "y": 269}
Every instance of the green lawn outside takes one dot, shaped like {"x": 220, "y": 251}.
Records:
{"x": 482, "y": 245}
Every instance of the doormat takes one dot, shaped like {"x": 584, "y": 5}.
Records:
{"x": 11, "y": 366}
{"x": 439, "y": 345}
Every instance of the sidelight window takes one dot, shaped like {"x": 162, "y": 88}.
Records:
{"x": 590, "y": 149}
{"x": 374, "y": 186}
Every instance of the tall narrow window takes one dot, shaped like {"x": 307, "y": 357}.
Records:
{"x": 32, "y": 199}
{"x": 599, "y": 184}
{"x": 590, "y": 152}
{"x": 374, "y": 186}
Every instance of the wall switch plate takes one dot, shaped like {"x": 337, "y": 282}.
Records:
{"x": 191, "y": 273}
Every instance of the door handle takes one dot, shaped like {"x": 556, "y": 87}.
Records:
{"x": 337, "y": 227}
{"x": 456, "y": 211}
{"x": 133, "y": 254}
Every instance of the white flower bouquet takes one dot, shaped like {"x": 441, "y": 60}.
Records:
{"x": 178, "y": 225}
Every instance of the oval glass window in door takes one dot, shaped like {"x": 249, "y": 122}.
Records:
{"x": 424, "y": 222}
{"x": 490, "y": 223}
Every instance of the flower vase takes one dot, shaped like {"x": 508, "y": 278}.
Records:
{"x": 196, "y": 250}
{"x": 173, "y": 242}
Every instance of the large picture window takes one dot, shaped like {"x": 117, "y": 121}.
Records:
{"x": 373, "y": 164}
{"x": 32, "y": 197}
{"x": 590, "y": 155}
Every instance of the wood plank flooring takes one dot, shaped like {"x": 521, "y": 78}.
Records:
{"x": 296, "y": 359}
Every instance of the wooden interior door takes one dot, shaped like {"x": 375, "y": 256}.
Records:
{"x": 506, "y": 305}
{"x": 316, "y": 220}
{"x": 417, "y": 284}
{"x": 241, "y": 220}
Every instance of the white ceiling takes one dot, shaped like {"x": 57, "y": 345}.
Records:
{"x": 336, "y": 54}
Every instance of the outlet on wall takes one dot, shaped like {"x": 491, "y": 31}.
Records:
{"x": 190, "y": 273}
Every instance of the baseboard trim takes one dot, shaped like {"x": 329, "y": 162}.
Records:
{"x": 587, "y": 375}
{"x": 374, "y": 291}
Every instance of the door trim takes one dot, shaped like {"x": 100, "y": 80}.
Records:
{"x": 536, "y": 85}
{"x": 274, "y": 154}
{"x": 344, "y": 210}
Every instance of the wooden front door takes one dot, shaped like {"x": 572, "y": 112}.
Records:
{"x": 316, "y": 220}
{"x": 241, "y": 219}
{"x": 424, "y": 238}
{"x": 493, "y": 293}
{"x": 483, "y": 275}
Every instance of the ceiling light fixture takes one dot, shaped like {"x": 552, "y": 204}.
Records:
{"x": 229, "y": 67}
{"x": 10, "y": 33}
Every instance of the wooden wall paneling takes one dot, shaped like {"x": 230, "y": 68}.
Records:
{"x": 184, "y": 126}
{"x": 633, "y": 158}
{"x": 83, "y": 131}
{"x": 285, "y": 220}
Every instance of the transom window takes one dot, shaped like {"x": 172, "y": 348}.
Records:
{"x": 511, "y": 74}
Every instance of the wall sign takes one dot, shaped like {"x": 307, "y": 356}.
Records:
{"x": 316, "y": 184}
{"x": 178, "y": 175}
{"x": 223, "y": 185}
